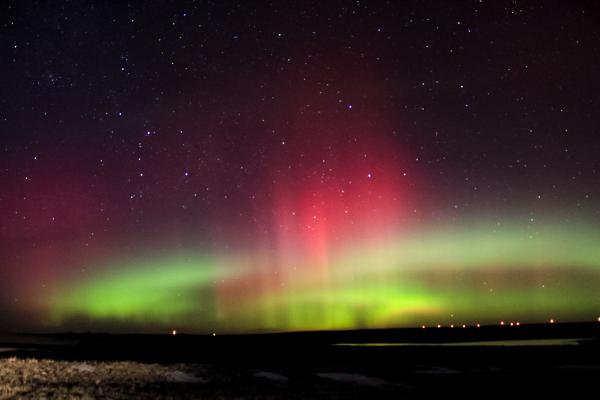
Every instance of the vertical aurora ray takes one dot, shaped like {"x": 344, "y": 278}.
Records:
{"x": 461, "y": 275}
{"x": 273, "y": 168}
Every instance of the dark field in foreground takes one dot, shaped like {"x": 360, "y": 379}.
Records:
{"x": 533, "y": 359}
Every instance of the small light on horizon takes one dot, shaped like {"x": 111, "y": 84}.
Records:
{"x": 518, "y": 323}
{"x": 501, "y": 322}
{"x": 512, "y": 324}
{"x": 552, "y": 321}
{"x": 478, "y": 325}
{"x": 422, "y": 326}
{"x": 464, "y": 326}
{"x": 452, "y": 326}
{"x": 439, "y": 326}
{"x": 173, "y": 332}
{"x": 214, "y": 334}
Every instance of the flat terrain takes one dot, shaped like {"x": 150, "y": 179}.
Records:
{"x": 531, "y": 360}
{"x": 38, "y": 379}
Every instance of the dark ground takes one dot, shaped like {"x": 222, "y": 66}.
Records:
{"x": 534, "y": 360}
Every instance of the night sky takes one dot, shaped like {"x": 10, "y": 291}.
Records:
{"x": 245, "y": 166}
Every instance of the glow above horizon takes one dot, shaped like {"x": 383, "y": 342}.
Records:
{"x": 460, "y": 275}
{"x": 205, "y": 167}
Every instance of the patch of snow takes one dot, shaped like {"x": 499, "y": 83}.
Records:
{"x": 7, "y": 349}
{"x": 184, "y": 377}
{"x": 437, "y": 370}
{"x": 272, "y": 376}
{"x": 352, "y": 378}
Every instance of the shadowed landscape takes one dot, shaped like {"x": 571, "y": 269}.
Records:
{"x": 299, "y": 199}
{"x": 535, "y": 359}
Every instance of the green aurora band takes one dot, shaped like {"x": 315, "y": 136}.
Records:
{"x": 163, "y": 290}
{"x": 455, "y": 275}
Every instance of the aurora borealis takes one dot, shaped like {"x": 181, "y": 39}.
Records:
{"x": 243, "y": 167}
{"x": 455, "y": 277}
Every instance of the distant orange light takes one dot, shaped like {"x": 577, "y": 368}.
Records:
{"x": 452, "y": 326}
{"x": 598, "y": 319}
{"x": 518, "y": 323}
{"x": 551, "y": 321}
{"x": 501, "y": 322}
{"x": 173, "y": 332}
{"x": 512, "y": 324}
{"x": 478, "y": 325}
{"x": 464, "y": 326}
{"x": 423, "y": 326}
{"x": 439, "y": 326}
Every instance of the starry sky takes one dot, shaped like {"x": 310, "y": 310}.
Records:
{"x": 274, "y": 166}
